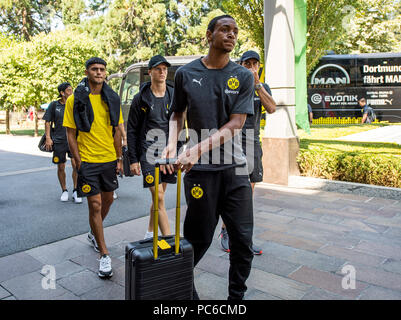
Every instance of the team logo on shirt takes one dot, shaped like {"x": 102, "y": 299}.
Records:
{"x": 86, "y": 188}
{"x": 233, "y": 83}
{"x": 149, "y": 178}
{"x": 197, "y": 192}
{"x": 56, "y": 159}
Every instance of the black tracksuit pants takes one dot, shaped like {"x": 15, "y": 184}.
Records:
{"x": 210, "y": 194}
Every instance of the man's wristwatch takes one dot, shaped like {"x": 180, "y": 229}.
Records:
{"x": 258, "y": 86}
{"x": 120, "y": 158}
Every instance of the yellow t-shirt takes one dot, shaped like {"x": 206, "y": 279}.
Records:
{"x": 96, "y": 146}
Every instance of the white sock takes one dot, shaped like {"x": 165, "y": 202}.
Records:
{"x": 148, "y": 234}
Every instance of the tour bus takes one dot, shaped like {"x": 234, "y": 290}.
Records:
{"x": 137, "y": 73}
{"x": 127, "y": 84}
{"x": 339, "y": 81}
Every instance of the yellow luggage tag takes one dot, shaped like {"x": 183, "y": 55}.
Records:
{"x": 163, "y": 244}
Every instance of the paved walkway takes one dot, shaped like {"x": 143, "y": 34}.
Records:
{"x": 308, "y": 237}
{"x": 383, "y": 134}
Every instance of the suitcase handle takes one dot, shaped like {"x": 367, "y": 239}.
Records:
{"x": 156, "y": 207}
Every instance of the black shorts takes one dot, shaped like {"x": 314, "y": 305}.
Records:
{"x": 60, "y": 152}
{"x": 148, "y": 173}
{"x": 255, "y": 166}
{"x": 94, "y": 178}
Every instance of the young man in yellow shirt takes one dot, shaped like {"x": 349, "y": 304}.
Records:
{"x": 92, "y": 116}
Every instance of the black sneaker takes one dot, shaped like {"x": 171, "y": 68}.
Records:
{"x": 224, "y": 240}
{"x": 256, "y": 251}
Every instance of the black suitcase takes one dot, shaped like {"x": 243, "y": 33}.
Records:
{"x": 162, "y": 269}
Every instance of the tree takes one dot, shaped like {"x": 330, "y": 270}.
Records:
{"x": 24, "y": 19}
{"x": 41, "y": 64}
{"x": 249, "y": 16}
{"x": 9, "y": 75}
{"x": 194, "y": 40}
{"x": 134, "y": 30}
{"x": 372, "y": 26}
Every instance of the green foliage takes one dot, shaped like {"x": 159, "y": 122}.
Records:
{"x": 24, "y": 18}
{"x": 135, "y": 30}
{"x": 31, "y": 71}
{"x": 249, "y": 16}
{"x": 71, "y": 11}
{"x": 324, "y": 155}
{"x": 326, "y": 20}
{"x": 372, "y": 27}
{"x": 352, "y": 167}
{"x": 52, "y": 59}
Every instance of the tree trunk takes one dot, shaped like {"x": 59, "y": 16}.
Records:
{"x": 36, "y": 123}
{"x": 25, "y": 31}
{"x": 8, "y": 131}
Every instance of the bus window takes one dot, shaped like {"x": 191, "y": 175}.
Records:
{"x": 131, "y": 87}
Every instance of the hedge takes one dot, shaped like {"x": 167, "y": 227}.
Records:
{"x": 364, "y": 168}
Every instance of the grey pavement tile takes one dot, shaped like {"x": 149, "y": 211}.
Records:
{"x": 365, "y": 211}
{"x": 361, "y": 225}
{"x": 273, "y": 264}
{"x": 314, "y": 260}
{"x": 381, "y": 201}
{"x": 65, "y": 269}
{"x": 385, "y": 238}
{"x": 109, "y": 292}
{"x": 211, "y": 287}
{"x": 380, "y": 249}
{"x": 10, "y": 298}
{"x": 314, "y": 225}
{"x": 367, "y": 207}
{"x": 320, "y": 294}
{"x": 327, "y": 281}
{"x": 383, "y": 221}
{"x": 330, "y": 219}
{"x": 393, "y": 232}
{"x": 387, "y": 212}
{"x": 118, "y": 249}
{"x": 17, "y": 264}
{"x": 60, "y": 251}
{"x": 340, "y": 213}
{"x": 29, "y": 287}
{"x": 291, "y": 240}
{"x": 215, "y": 265}
{"x": 377, "y": 277}
{"x": 281, "y": 287}
{"x": 82, "y": 282}
{"x": 118, "y": 275}
{"x": 378, "y": 293}
{"x": 91, "y": 262}
{"x": 254, "y": 294}
{"x": 273, "y": 217}
{"x": 4, "y": 293}
{"x": 67, "y": 296}
{"x": 392, "y": 265}
{"x": 352, "y": 256}
{"x": 258, "y": 206}
{"x": 303, "y": 214}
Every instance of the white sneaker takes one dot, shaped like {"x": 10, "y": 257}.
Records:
{"x": 64, "y": 196}
{"x": 105, "y": 267}
{"x": 148, "y": 235}
{"x": 92, "y": 240}
{"x": 76, "y": 198}
{"x": 115, "y": 195}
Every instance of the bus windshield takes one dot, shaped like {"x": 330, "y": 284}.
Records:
{"x": 131, "y": 86}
